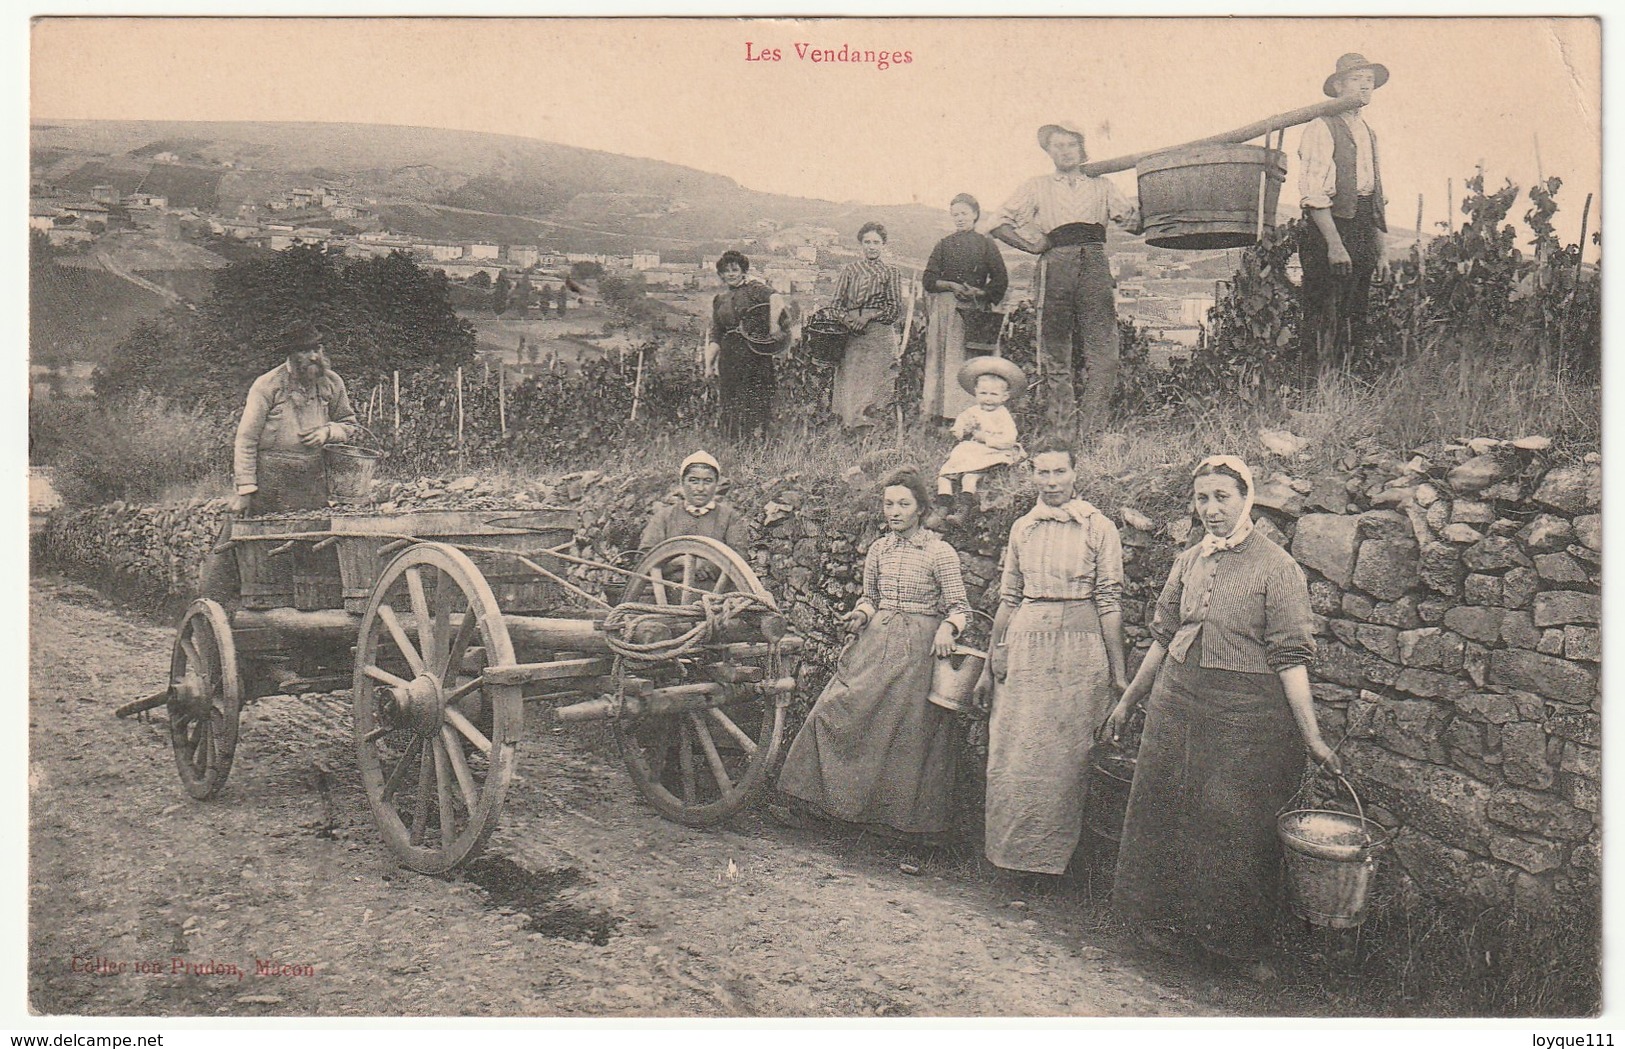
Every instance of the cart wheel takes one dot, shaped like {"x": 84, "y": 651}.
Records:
{"x": 436, "y": 745}
{"x": 701, "y": 767}
{"x": 205, "y": 698}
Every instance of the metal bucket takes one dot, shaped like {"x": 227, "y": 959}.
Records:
{"x": 1331, "y": 862}
{"x": 350, "y": 473}
{"x": 953, "y": 680}
{"x": 1216, "y": 196}
{"x": 1111, "y": 774}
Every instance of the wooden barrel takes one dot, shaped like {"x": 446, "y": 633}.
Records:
{"x": 1204, "y": 197}
{"x": 280, "y": 581}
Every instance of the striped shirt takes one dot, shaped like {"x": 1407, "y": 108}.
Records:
{"x": 1249, "y": 605}
{"x": 1050, "y": 201}
{"x": 866, "y": 285}
{"x": 1078, "y": 559}
{"x": 916, "y": 573}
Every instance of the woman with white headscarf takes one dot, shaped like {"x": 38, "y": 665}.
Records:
{"x": 699, "y": 511}
{"x": 1229, "y": 717}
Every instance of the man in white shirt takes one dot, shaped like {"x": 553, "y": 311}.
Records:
{"x": 1061, "y": 217}
{"x": 1340, "y": 182}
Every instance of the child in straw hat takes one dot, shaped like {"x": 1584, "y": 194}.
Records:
{"x": 986, "y": 431}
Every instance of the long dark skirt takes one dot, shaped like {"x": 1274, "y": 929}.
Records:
{"x": 874, "y": 750}
{"x": 1220, "y": 755}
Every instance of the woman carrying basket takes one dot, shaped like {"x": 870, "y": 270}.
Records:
{"x": 1229, "y": 716}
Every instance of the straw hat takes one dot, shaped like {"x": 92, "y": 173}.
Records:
{"x": 1349, "y": 63}
{"x": 1070, "y": 127}
{"x": 1003, "y": 367}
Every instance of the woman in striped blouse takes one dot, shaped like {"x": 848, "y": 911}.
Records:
{"x": 871, "y": 294}
{"x": 1228, "y": 719}
{"x": 874, "y": 750}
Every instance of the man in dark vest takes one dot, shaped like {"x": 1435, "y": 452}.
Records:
{"x": 1341, "y": 244}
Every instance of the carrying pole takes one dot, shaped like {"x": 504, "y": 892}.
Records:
{"x": 1278, "y": 122}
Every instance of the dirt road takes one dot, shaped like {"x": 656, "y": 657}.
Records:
{"x": 278, "y": 897}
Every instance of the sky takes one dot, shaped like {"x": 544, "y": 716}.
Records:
{"x": 961, "y": 115}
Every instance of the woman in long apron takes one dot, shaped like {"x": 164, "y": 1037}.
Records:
{"x": 870, "y": 292}
{"x": 965, "y": 274}
{"x": 1228, "y": 722}
{"x": 1058, "y": 657}
{"x": 874, "y": 750}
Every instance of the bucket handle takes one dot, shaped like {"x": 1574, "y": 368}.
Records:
{"x": 1359, "y": 806}
{"x": 362, "y": 431}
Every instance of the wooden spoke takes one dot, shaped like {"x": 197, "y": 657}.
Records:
{"x": 722, "y": 583}
{"x": 746, "y": 744}
{"x": 684, "y": 595}
{"x": 473, "y": 685}
{"x": 436, "y": 661}
{"x": 420, "y": 609}
{"x": 459, "y": 768}
{"x": 459, "y": 645}
{"x": 685, "y": 759}
{"x": 455, "y": 719}
{"x": 712, "y": 758}
{"x": 442, "y": 789}
{"x": 397, "y": 633}
{"x": 659, "y": 587}
{"x": 383, "y": 676}
{"x": 402, "y": 767}
{"x": 420, "y": 806}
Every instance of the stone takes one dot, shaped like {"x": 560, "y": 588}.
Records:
{"x": 1535, "y": 812}
{"x": 1587, "y": 859}
{"x": 1535, "y": 855}
{"x": 1504, "y": 492}
{"x": 1357, "y": 605}
{"x": 1279, "y": 496}
{"x": 1560, "y": 607}
{"x": 1329, "y": 544}
{"x": 1550, "y": 643}
{"x": 1342, "y": 629}
{"x": 1524, "y": 760}
{"x": 1479, "y": 624}
{"x": 1429, "y": 684}
{"x": 1493, "y": 554}
{"x": 1394, "y": 497}
{"x": 1574, "y": 489}
{"x": 1344, "y": 665}
{"x": 1386, "y": 568}
{"x": 1445, "y": 872}
{"x": 1401, "y": 614}
{"x": 1560, "y": 568}
{"x": 1518, "y": 587}
{"x": 1532, "y": 443}
{"x": 1430, "y": 647}
{"x": 1438, "y": 515}
{"x": 1582, "y": 727}
{"x": 1264, "y": 526}
{"x": 1381, "y": 641}
{"x": 1584, "y": 794}
{"x": 1439, "y": 568}
{"x": 1472, "y": 512}
{"x": 1476, "y": 662}
{"x": 1412, "y": 727}
{"x": 1500, "y": 708}
{"x": 1432, "y": 610}
{"x": 1476, "y": 474}
{"x": 1480, "y": 589}
{"x": 1384, "y": 524}
{"x": 1556, "y": 679}
{"x": 1582, "y": 642}
{"x": 1518, "y": 630}
{"x": 1546, "y": 532}
{"x": 1581, "y": 761}
{"x": 1467, "y": 737}
{"x": 1427, "y": 495}
{"x": 1441, "y": 801}
{"x": 1333, "y": 695}
{"x": 1325, "y": 597}
{"x": 1588, "y": 529}
{"x": 1460, "y": 533}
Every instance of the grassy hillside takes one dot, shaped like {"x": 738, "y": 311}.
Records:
{"x": 82, "y": 312}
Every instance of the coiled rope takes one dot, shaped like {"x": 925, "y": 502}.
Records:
{"x": 711, "y": 613}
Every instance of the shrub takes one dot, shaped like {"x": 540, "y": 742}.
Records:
{"x": 136, "y": 450}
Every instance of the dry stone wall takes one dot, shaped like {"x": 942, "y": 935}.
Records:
{"x": 1457, "y": 597}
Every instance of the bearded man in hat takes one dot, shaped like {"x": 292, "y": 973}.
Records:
{"x": 1061, "y": 217}
{"x": 292, "y": 411}
{"x": 1340, "y": 244}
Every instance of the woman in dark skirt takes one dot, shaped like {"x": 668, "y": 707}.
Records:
{"x": 1227, "y": 723}
{"x": 965, "y": 274}
{"x": 744, "y": 376}
{"x": 874, "y": 750}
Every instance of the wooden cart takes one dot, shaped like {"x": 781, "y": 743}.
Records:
{"x": 444, "y": 624}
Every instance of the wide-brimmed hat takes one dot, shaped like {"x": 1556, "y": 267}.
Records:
{"x": 1003, "y": 367}
{"x": 1349, "y": 63}
{"x": 1068, "y": 126}
{"x": 300, "y": 337}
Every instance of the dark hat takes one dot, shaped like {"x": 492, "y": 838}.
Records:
{"x": 1348, "y": 64}
{"x": 301, "y": 337}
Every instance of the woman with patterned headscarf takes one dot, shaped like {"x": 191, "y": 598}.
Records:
{"x": 1229, "y": 717}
